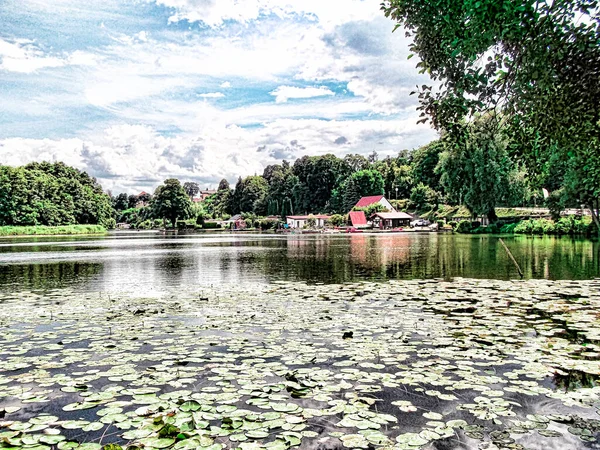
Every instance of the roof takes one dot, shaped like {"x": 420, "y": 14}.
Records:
{"x": 358, "y": 218}
{"x": 142, "y": 193}
{"x": 315, "y": 216}
{"x": 368, "y": 201}
{"x": 393, "y": 215}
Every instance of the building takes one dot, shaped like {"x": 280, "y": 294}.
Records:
{"x": 358, "y": 219}
{"x": 203, "y": 195}
{"x": 143, "y": 199}
{"x": 388, "y": 220}
{"x": 302, "y": 221}
{"x": 365, "y": 202}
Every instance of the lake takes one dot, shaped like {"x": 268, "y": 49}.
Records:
{"x": 211, "y": 341}
{"x": 146, "y": 262}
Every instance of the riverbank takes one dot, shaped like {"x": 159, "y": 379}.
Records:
{"x": 51, "y": 231}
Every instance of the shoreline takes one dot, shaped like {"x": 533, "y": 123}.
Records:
{"x": 46, "y": 231}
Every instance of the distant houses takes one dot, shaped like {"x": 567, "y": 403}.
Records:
{"x": 388, "y": 219}
{"x": 385, "y": 220}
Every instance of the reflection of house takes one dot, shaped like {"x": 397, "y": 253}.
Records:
{"x": 365, "y": 202}
{"x": 302, "y": 221}
{"x": 358, "y": 219}
{"x": 385, "y": 220}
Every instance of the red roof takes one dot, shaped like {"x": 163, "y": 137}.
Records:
{"x": 368, "y": 201}
{"x": 358, "y": 218}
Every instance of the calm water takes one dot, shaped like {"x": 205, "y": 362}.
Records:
{"x": 142, "y": 262}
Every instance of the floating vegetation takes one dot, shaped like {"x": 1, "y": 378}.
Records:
{"x": 467, "y": 364}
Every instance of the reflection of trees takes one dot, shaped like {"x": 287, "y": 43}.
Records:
{"x": 574, "y": 380}
{"x": 46, "y": 276}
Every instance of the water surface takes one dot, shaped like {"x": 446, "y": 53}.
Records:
{"x": 145, "y": 262}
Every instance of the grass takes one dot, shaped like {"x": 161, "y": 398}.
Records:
{"x": 39, "y": 230}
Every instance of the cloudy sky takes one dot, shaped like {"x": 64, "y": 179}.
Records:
{"x": 136, "y": 91}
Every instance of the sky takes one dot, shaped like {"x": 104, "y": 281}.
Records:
{"x": 137, "y": 91}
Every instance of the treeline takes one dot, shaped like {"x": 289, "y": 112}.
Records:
{"x": 481, "y": 177}
{"x": 52, "y": 194}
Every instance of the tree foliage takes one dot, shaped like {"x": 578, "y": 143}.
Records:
{"x": 535, "y": 64}
{"x": 52, "y": 194}
{"x": 191, "y": 189}
{"x": 170, "y": 201}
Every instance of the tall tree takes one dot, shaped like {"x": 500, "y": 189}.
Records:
{"x": 478, "y": 170}
{"x": 360, "y": 184}
{"x": 250, "y": 195}
{"x": 121, "y": 202}
{"x": 170, "y": 201}
{"x": 191, "y": 188}
{"x": 535, "y": 63}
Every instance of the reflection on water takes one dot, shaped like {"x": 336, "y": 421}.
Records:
{"x": 141, "y": 262}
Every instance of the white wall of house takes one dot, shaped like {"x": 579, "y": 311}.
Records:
{"x": 386, "y": 204}
{"x": 300, "y": 223}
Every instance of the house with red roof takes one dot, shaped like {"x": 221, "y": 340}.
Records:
{"x": 365, "y": 202}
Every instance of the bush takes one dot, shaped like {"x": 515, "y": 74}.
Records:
{"x": 508, "y": 228}
{"x": 464, "y": 226}
{"x": 268, "y": 224}
{"x": 211, "y": 225}
{"x": 338, "y": 220}
{"x": 440, "y": 224}
{"x": 453, "y": 223}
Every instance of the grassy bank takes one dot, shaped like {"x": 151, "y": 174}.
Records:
{"x": 48, "y": 231}
{"x": 565, "y": 226}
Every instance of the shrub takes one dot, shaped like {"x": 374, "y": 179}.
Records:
{"x": 338, "y": 220}
{"x": 508, "y": 228}
{"x": 211, "y": 225}
{"x": 464, "y": 226}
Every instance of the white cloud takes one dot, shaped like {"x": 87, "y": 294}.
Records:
{"x": 225, "y": 85}
{"x": 214, "y": 13}
{"x": 283, "y": 93}
{"x": 24, "y": 57}
{"x": 134, "y": 158}
{"x": 212, "y": 95}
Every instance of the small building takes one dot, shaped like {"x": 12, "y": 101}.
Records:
{"x": 203, "y": 195}
{"x": 358, "y": 219}
{"x": 302, "y": 221}
{"x": 390, "y": 220}
{"x": 365, "y": 202}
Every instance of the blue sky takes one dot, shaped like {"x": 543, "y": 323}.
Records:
{"x": 136, "y": 91}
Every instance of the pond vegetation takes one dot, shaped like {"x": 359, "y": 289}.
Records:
{"x": 429, "y": 364}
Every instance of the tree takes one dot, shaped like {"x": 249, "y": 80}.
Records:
{"x": 360, "y": 184}
{"x": 280, "y": 195}
{"x": 250, "y": 195}
{"x": 191, "y": 188}
{"x": 477, "y": 170}
{"x": 424, "y": 162}
{"x": 120, "y": 202}
{"x": 223, "y": 185}
{"x": 170, "y": 201}
{"x": 52, "y": 194}
{"x": 534, "y": 63}
{"x": 317, "y": 177}
{"x": 132, "y": 201}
